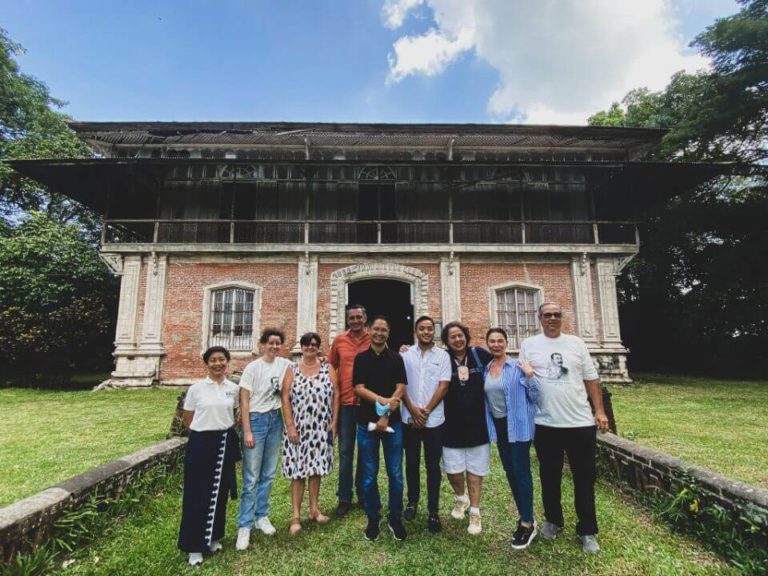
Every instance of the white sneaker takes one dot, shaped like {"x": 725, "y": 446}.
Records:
{"x": 195, "y": 558}
{"x": 475, "y": 525}
{"x": 460, "y": 505}
{"x": 215, "y": 546}
{"x": 265, "y": 526}
{"x": 243, "y": 538}
{"x": 589, "y": 544}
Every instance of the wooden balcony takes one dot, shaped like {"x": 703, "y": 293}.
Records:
{"x": 369, "y": 232}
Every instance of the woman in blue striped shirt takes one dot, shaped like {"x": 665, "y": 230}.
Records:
{"x": 511, "y": 393}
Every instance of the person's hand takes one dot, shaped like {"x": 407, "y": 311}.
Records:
{"x": 394, "y": 404}
{"x": 382, "y": 423}
{"x": 527, "y": 368}
{"x": 293, "y": 434}
{"x": 248, "y": 440}
{"x": 403, "y": 349}
{"x": 334, "y": 427}
{"x": 602, "y": 421}
{"x": 420, "y": 417}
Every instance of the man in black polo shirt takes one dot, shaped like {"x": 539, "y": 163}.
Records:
{"x": 379, "y": 379}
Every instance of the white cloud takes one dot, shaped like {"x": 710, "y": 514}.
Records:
{"x": 558, "y": 60}
{"x": 428, "y": 54}
{"x": 395, "y": 11}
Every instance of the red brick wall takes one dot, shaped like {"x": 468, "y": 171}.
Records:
{"x": 182, "y": 317}
{"x": 185, "y": 290}
{"x": 476, "y": 279}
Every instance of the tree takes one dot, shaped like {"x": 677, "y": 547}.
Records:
{"x": 57, "y": 299}
{"x": 31, "y": 127}
{"x": 696, "y": 298}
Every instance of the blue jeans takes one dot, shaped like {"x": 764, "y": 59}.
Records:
{"x": 259, "y": 466}
{"x": 368, "y": 447}
{"x": 347, "y": 434}
{"x": 516, "y": 460}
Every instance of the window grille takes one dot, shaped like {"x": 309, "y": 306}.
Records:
{"x": 232, "y": 319}
{"x": 516, "y": 310}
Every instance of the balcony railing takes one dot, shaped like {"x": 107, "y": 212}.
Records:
{"x": 368, "y": 232}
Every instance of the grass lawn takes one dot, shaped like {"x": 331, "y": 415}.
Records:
{"x": 718, "y": 424}
{"x": 48, "y": 436}
{"x": 633, "y": 544}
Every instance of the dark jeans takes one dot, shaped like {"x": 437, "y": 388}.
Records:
{"x": 579, "y": 445}
{"x": 347, "y": 435}
{"x": 432, "y": 438}
{"x": 368, "y": 452}
{"x": 516, "y": 460}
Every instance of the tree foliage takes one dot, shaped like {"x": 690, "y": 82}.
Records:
{"x": 57, "y": 299}
{"x": 696, "y": 298}
{"x": 31, "y": 127}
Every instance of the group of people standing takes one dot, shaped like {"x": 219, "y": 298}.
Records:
{"x": 447, "y": 404}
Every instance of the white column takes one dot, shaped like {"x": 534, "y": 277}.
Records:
{"x": 581, "y": 274}
{"x": 450, "y": 289}
{"x": 607, "y": 270}
{"x": 125, "y": 336}
{"x": 154, "y": 303}
{"x": 306, "y": 308}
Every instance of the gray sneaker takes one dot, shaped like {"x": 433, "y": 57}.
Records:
{"x": 550, "y": 530}
{"x": 589, "y": 544}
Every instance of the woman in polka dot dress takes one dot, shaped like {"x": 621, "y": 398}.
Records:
{"x": 310, "y": 410}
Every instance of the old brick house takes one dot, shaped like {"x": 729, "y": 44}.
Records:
{"x": 221, "y": 229}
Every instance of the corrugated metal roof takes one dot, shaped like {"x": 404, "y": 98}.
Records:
{"x": 435, "y": 136}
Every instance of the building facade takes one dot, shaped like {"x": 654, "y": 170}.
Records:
{"x": 219, "y": 230}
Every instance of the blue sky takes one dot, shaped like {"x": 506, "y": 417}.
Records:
{"x": 542, "y": 61}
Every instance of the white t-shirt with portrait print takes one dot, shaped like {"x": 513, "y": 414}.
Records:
{"x": 561, "y": 364}
{"x": 264, "y": 381}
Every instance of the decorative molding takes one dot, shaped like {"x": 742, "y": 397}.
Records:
{"x": 125, "y": 334}
{"x": 450, "y": 288}
{"x": 582, "y": 296}
{"x": 154, "y": 303}
{"x": 607, "y": 270}
{"x": 306, "y": 308}
{"x": 372, "y": 271}
{"x": 113, "y": 261}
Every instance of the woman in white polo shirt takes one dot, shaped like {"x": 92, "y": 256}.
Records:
{"x": 212, "y": 450}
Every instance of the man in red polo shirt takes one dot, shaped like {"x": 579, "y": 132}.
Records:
{"x": 343, "y": 351}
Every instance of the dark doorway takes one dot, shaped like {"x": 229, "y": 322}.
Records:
{"x": 390, "y": 298}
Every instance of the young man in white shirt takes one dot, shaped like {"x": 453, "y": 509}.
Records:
{"x": 428, "y": 369}
{"x": 565, "y": 424}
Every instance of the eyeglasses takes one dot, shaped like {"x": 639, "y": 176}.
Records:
{"x": 551, "y": 314}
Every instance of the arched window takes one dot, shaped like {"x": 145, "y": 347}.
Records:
{"x": 231, "y": 318}
{"x": 515, "y": 311}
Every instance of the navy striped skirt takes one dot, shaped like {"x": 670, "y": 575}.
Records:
{"x": 209, "y": 479}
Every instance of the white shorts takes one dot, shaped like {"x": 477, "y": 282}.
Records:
{"x": 475, "y": 460}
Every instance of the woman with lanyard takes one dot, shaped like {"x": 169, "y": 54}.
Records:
{"x": 209, "y": 465}
{"x": 511, "y": 393}
{"x": 466, "y": 448}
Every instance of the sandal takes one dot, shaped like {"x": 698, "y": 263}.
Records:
{"x": 320, "y": 518}
{"x": 295, "y": 526}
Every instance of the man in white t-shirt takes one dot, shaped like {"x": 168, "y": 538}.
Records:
{"x": 260, "y": 387}
{"x": 565, "y": 424}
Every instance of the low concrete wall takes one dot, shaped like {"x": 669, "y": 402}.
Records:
{"x": 28, "y": 523}
{"x": 645, "y": 469}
